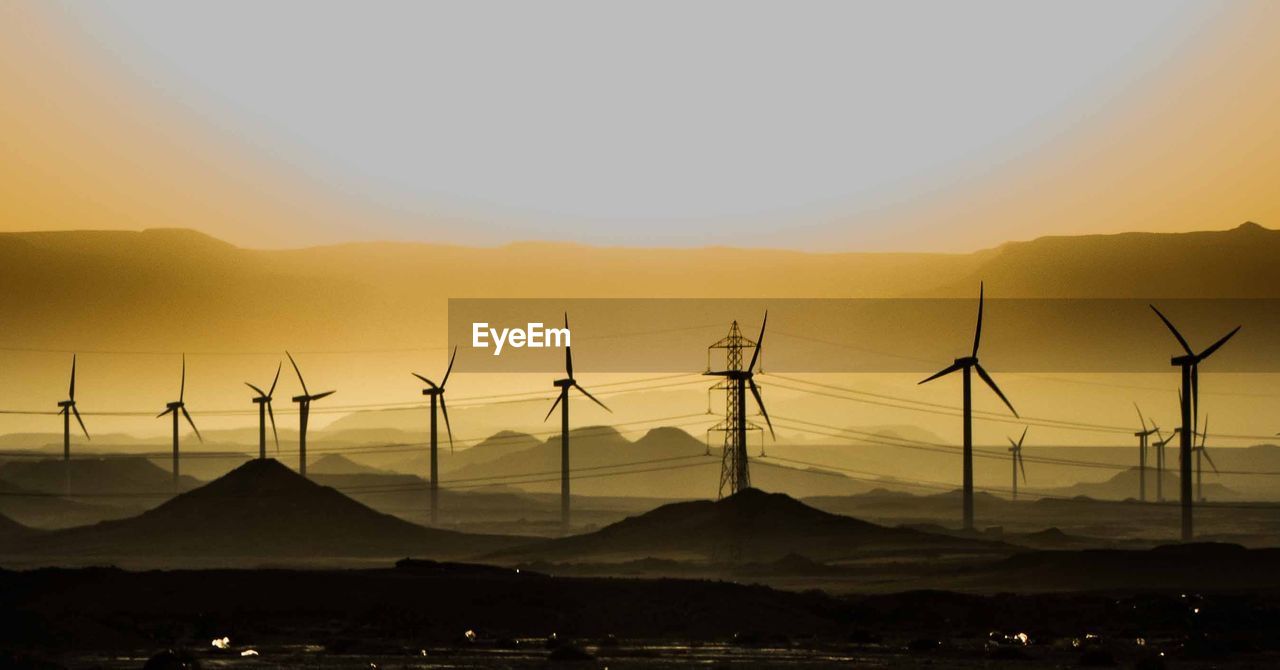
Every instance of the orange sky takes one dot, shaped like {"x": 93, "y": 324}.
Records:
{"x": 1193, "y": 146}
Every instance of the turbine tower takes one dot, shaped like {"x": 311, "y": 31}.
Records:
{"x": 1200, "y": 452}
{"x": 563, "y": 401}
{"x": 1143, "y": 436}
{"x": 304, "y": 412}
{"x": 734, "y": 471}
{"x": 967, "y": 365}
{"x": 1159, "y": 447}
{"x": 68, "y": 408}
{"x": 1015, "y": 450}
{"x": 179, "y": 407}
{"x": 436, "y": 393}
{"x": 1190, "y": 401}
{"x": 263, "y": 401}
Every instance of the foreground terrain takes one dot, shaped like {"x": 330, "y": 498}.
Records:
{"x": 423, "y": 614}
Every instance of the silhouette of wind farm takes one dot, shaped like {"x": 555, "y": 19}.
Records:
{"x": 821, "y": 543}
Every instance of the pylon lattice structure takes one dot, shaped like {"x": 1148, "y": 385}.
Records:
{"x": 735, "y": 475}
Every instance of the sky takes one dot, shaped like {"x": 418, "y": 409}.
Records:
{"x": 821, "y": 126}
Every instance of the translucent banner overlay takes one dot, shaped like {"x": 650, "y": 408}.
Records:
{"x": 864, "y": 335}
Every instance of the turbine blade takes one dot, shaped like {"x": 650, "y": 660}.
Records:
{"x": 559, "y": 397}
{"x": 755, "y": 391}
{"x": 717, "y": 373}
{"x": 187, "y": 415}
{"x": 1024, "y": 436}
{"x": 450, "y": 368}
{"x": 755, "y": 355}
{"x": 945, "y": 371}
{"x": 71, "y": 392}
{"x": 298, "y": 372}
{"x": 593, "y": 398}
{"x": 568, "y": 357}
{"x": 1022, "y": 465}
{"x": 274, "y": 434}
{"x": 277, "y": 378}
{"x": 326, "y": 394}
{"x": 1181, "y": 340}
{"x": 1141, "y": 420}
{"x": 163, "y": 413}
{"x": 444, "y": 409}
{"x": 1209, "y": 458}
{"x": 424, "y": 379}
{"x": 182, "y": 388}
{"x": 1214, "y": 347}
{"x": 1013, "y": 446}
{"x": 257, "y": 390}
{"x": 81, "y": 422}
{"x": 977, "y": 332}
{"x": 992, "y": 383}
{"x": 1205, "y": 435}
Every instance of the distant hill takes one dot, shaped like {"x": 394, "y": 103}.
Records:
{"x": 129, "y": 475}
{"x": 260, "y": 511}
{"x": 750, "y": 526}
{"x": 1124, "y": 485}
{"x": 46, "y": 510}
{"x": 337, "y": 464}
{"x": 1230, "y": 263}
{"x": 664, "y": 460}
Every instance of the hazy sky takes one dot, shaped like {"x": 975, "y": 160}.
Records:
{"x": 905, "y": 125}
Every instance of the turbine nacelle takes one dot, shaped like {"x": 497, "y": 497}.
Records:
{"x": 436, "y": 391}
{"x": 730, "y": 374}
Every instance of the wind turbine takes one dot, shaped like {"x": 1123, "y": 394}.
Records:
{"x": 1200, "y": 451}
{"x": 437, "y": 393}
{"x": 68, "y": 408}
{"x": 563, "y": 401}
{"x": 304, "y": 412}
{"x": 263, "y": 401}
{"x": 734, "y": 469}
{"x": 1016, "y": 452}
{"x": 174, "y": 408}
{"x": 1190, "y": 401}
{"x": 1143, "y": 435}
{"x": 967, "y": 365}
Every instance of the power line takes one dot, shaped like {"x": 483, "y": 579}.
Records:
{"x": 980, "y": 452}
{"x": 464, "y": 401}
{"x": 677, "y": 420}
{"x": 508, "y": 480}
{"x": 950, "y": 410}
{"x": 934, "y": 362}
